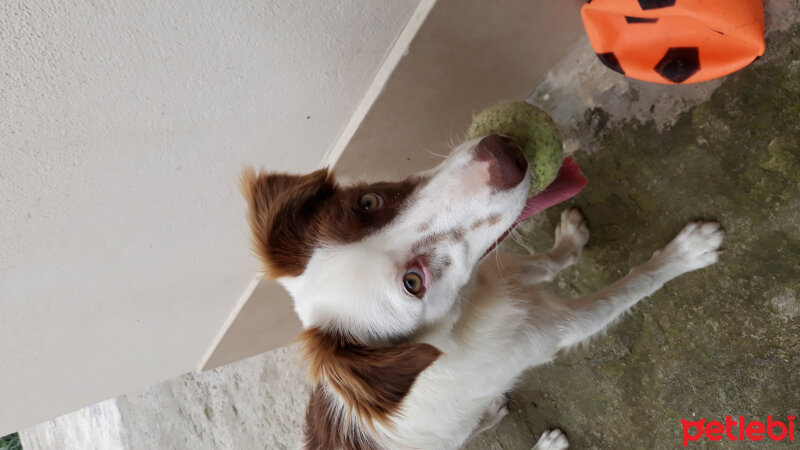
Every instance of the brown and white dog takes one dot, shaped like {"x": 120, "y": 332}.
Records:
{"x": 412, "y": 333}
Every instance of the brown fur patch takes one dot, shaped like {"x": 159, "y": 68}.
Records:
{"x": 477, "y": 224}
{"x": 455, "y": 235}
{"x": 372, "y": 381}
{"x": 425, "y": 226}
{"x": 328, "y": 428}
{"x": 491, "y": 220}
{"x": 437, "y": 269}
{"x": 291, "y": 215}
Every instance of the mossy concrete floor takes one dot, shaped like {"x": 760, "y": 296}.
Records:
{"x": 721, "y": 341}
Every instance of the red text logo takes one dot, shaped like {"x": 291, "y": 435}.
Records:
{"x": 738, "y": 430}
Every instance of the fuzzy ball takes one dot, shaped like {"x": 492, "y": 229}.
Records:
{"x": 534, "y": 131}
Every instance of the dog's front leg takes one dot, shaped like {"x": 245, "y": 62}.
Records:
{"x": 694, "y": 248}
{"x": 572, "y": 233}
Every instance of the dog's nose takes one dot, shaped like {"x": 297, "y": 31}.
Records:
{"x": 507, "y": 164}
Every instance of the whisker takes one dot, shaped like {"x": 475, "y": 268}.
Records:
{"x": 434, "y": 154}
{"x": 515, "y": 237}
{"x": 521, "y": 240}
{"x": 466, "y": 301}
{"x": 496, "y": 251}
{"x": 450, "y": 138}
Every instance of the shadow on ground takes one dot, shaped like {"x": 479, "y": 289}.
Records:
{"x": 721, "y": 341}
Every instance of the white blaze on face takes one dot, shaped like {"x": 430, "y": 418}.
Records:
{"x": 446, "y": 225}
{"x": 355, "y": 288}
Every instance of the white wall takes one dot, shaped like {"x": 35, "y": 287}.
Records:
{"x": 123, "y": 126}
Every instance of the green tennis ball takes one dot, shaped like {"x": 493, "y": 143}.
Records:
{"x": 534, "y": 131}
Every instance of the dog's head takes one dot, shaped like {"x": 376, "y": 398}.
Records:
{"x": 377, "y": 262}
{"x": 370, "y": 264}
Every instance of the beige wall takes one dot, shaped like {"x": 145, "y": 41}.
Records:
{"x": 123, "y": 127}
{"x": 468, "y": 54}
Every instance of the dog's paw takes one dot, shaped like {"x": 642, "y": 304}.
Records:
{"x": 695, "y": 247}
{"x": 498, "y": 407}
{"x": 495, "y": 412}
{"x": 552, "y": 440}
{"x": 572, "y": 231}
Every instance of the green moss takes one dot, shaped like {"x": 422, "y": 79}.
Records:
{"x": 721, "y": 341}
{"x": 10, "y": 442}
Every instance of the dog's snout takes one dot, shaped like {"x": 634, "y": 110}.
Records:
{"x": 507, "y": 164}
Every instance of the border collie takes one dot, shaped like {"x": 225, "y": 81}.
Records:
{"x": 415, "y": 326}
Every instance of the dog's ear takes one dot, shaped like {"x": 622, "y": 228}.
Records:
{"x": 281, "y": 209}
{"x": 372, "y": 380}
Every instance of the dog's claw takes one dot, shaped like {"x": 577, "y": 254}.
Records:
{"x": 552, "y": 440}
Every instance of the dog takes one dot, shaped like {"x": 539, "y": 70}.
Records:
{"x": 415, "y": 327}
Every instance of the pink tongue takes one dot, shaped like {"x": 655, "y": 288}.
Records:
{"x": 567, "y": 184}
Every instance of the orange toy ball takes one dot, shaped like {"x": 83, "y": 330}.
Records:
{"x": 675, "y": 41}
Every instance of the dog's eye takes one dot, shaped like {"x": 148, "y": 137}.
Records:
{"x": 413, "y": 282}
{"x": 370, "y": 201}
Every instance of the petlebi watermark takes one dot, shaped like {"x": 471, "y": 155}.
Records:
{"x": 738, "y": 429}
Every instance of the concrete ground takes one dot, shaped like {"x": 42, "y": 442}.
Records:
{"x": 722, "y": 341}
{"x": 257, "y": 403}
